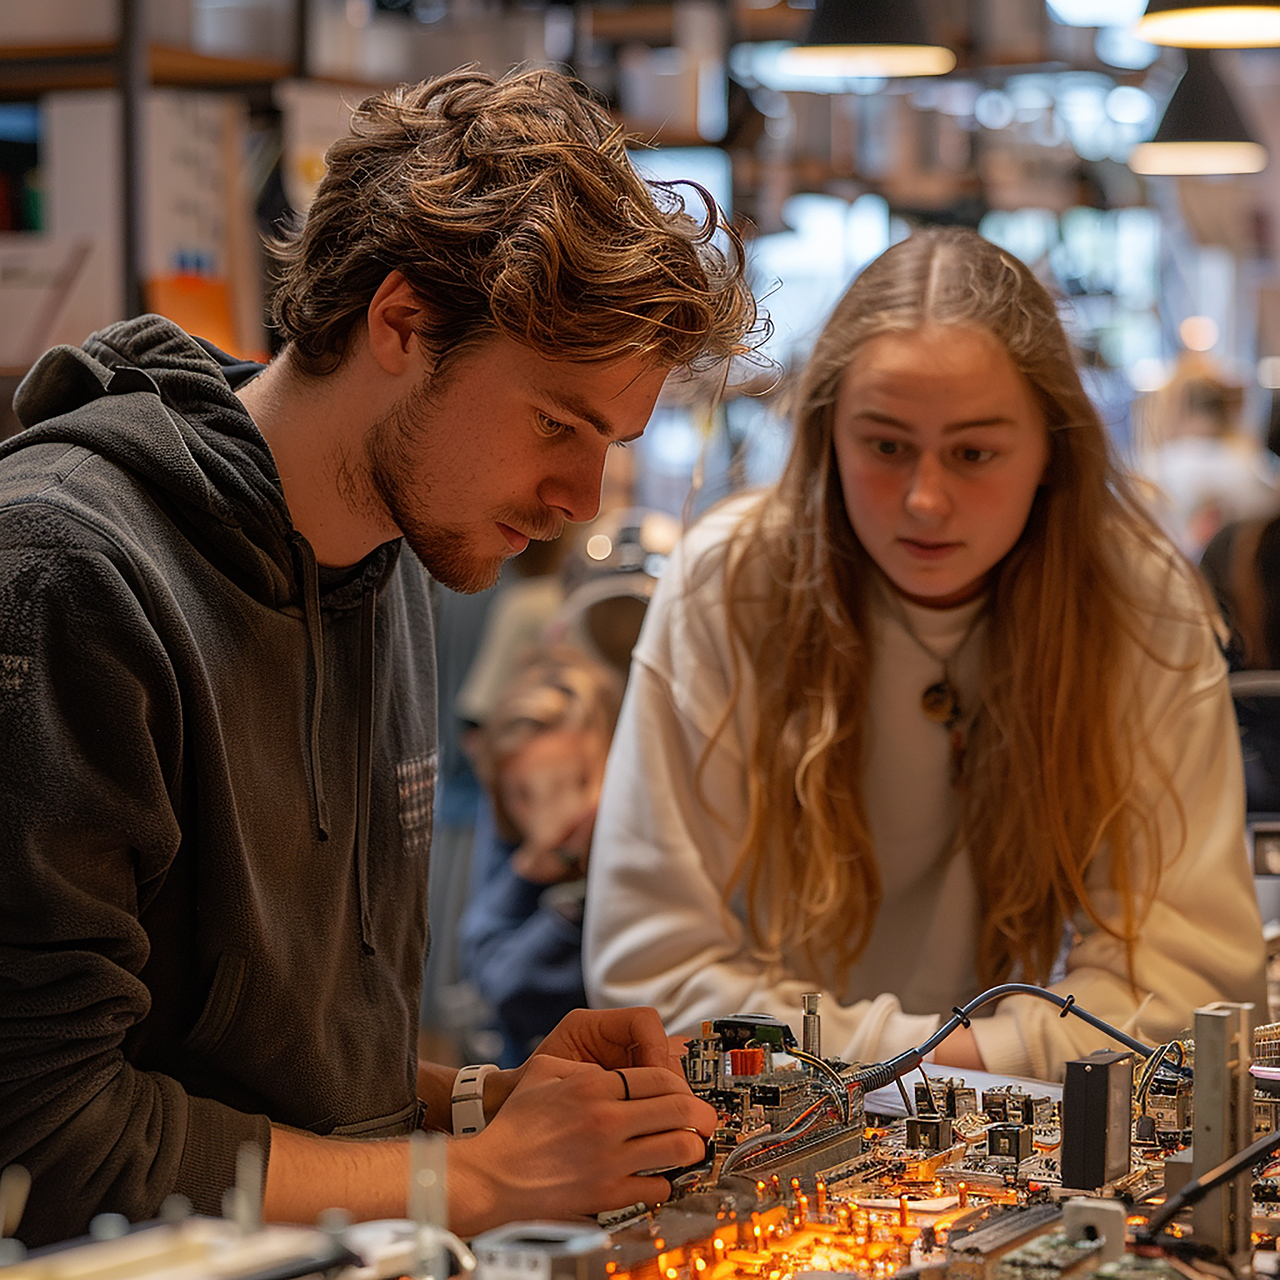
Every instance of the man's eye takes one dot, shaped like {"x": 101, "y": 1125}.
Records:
{"x": 553, "y": 427}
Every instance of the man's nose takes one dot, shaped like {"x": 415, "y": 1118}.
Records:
{"x": 575, "y": 491}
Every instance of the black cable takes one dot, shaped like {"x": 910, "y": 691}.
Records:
{"x": 883, "y": 1073}
{"x": 831, "y": 1078}
{"x": 1200, "y": 1187}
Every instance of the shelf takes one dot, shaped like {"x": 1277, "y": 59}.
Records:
{"x": 654, "y": 23}
{"x": 30, "y": 70}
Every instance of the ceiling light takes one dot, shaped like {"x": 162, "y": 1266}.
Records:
{"x": 855, "y": 38}
{"x": 1202, "y": 131}
{"x": 1210, "y": 24}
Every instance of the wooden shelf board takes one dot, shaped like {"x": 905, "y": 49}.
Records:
{"x": 35, "y": 69}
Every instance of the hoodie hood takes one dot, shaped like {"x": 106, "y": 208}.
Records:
{"x": 148, "y": 397}
{"x": 175, "y": 421}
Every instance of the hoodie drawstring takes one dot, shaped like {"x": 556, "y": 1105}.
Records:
{"x": 311, "y": 615}
{"x": 364, "y": 765}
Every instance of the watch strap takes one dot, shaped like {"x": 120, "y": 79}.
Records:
{"x": 467, "y": 1099}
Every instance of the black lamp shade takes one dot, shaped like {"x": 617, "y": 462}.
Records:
{"x": 869, "y": 38}
{"x": 861, "y": 22}
{"x": 1202, "y": 130}
{"x": 1202, "y": 109}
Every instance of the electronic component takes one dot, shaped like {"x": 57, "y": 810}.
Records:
{"x": 1097, "y": 1101}
{"x": 1097, "y": 1118}
{"x": 929, "y": 1133}
{"x": 975, "y": 1254}
{"x": 1009, "y": 1142}
{"x": 1223, "y": 1123}
{"x": 1049, "y": 1256}
{"x": 1015, "y": 1106}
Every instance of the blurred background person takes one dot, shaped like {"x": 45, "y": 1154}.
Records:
{"x": 541, "y": 757}
{"x": 1202, "y": 468}
{"x": 1242, "y": 565}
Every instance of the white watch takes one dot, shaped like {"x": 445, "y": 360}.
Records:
{"x": 467, "y": 1099}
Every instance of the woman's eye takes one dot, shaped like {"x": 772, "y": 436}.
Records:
{"x": 885, "y": 448}
{"x": 973, "y": 454}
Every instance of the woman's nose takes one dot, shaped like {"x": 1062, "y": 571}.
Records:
{"x": 927, "y": 495}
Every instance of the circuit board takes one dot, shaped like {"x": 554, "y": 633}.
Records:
{"x": 803, "y": 1178}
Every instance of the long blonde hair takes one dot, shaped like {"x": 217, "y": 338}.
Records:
{"x": 1050, "y": 775}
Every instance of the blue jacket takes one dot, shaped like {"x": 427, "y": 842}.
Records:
{"x": 523, "y": 953}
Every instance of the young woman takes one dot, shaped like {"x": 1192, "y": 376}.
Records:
{"x": 941, "y": 708}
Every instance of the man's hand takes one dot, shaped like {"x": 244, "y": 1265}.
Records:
{"x": 568, "y": 1144}
{"x": 573, "y": 1139}
{"x": 631, "y": 1037}
{"x": 607, "y": 1037}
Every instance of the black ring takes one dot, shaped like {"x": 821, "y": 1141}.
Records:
{"x": 1066, "y": 1007}
{"x": 626, "y": 1088}
{"x": 960, "y": 1013}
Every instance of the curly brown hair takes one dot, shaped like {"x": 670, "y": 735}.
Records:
{"x": 510, "y": 206}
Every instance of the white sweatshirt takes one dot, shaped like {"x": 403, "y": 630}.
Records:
{"x": 657, "y": 929}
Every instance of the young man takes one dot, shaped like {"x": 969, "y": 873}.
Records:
{"x": 217, "y": 689}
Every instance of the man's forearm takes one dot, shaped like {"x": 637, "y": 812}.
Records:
{"x": 369, "y": 1178}
{"x": 307, "y": 1175}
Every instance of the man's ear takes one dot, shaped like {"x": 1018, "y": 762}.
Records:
{"x": 393, "y": 316}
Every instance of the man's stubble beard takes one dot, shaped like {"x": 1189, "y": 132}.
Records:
{"x": 389, "y": 450}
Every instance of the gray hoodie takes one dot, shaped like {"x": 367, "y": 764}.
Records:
{"x": 217, "y": 768}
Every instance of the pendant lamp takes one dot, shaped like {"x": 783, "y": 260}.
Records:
{"x": 853, "y": 38}
{"x": 1210, "y": 24}
{"x": 1202, "y": 131}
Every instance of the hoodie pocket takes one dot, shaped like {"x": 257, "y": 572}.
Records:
{"x": 219, "y": 1010}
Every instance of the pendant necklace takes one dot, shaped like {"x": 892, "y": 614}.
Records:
{"x": 940, "y": 700}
